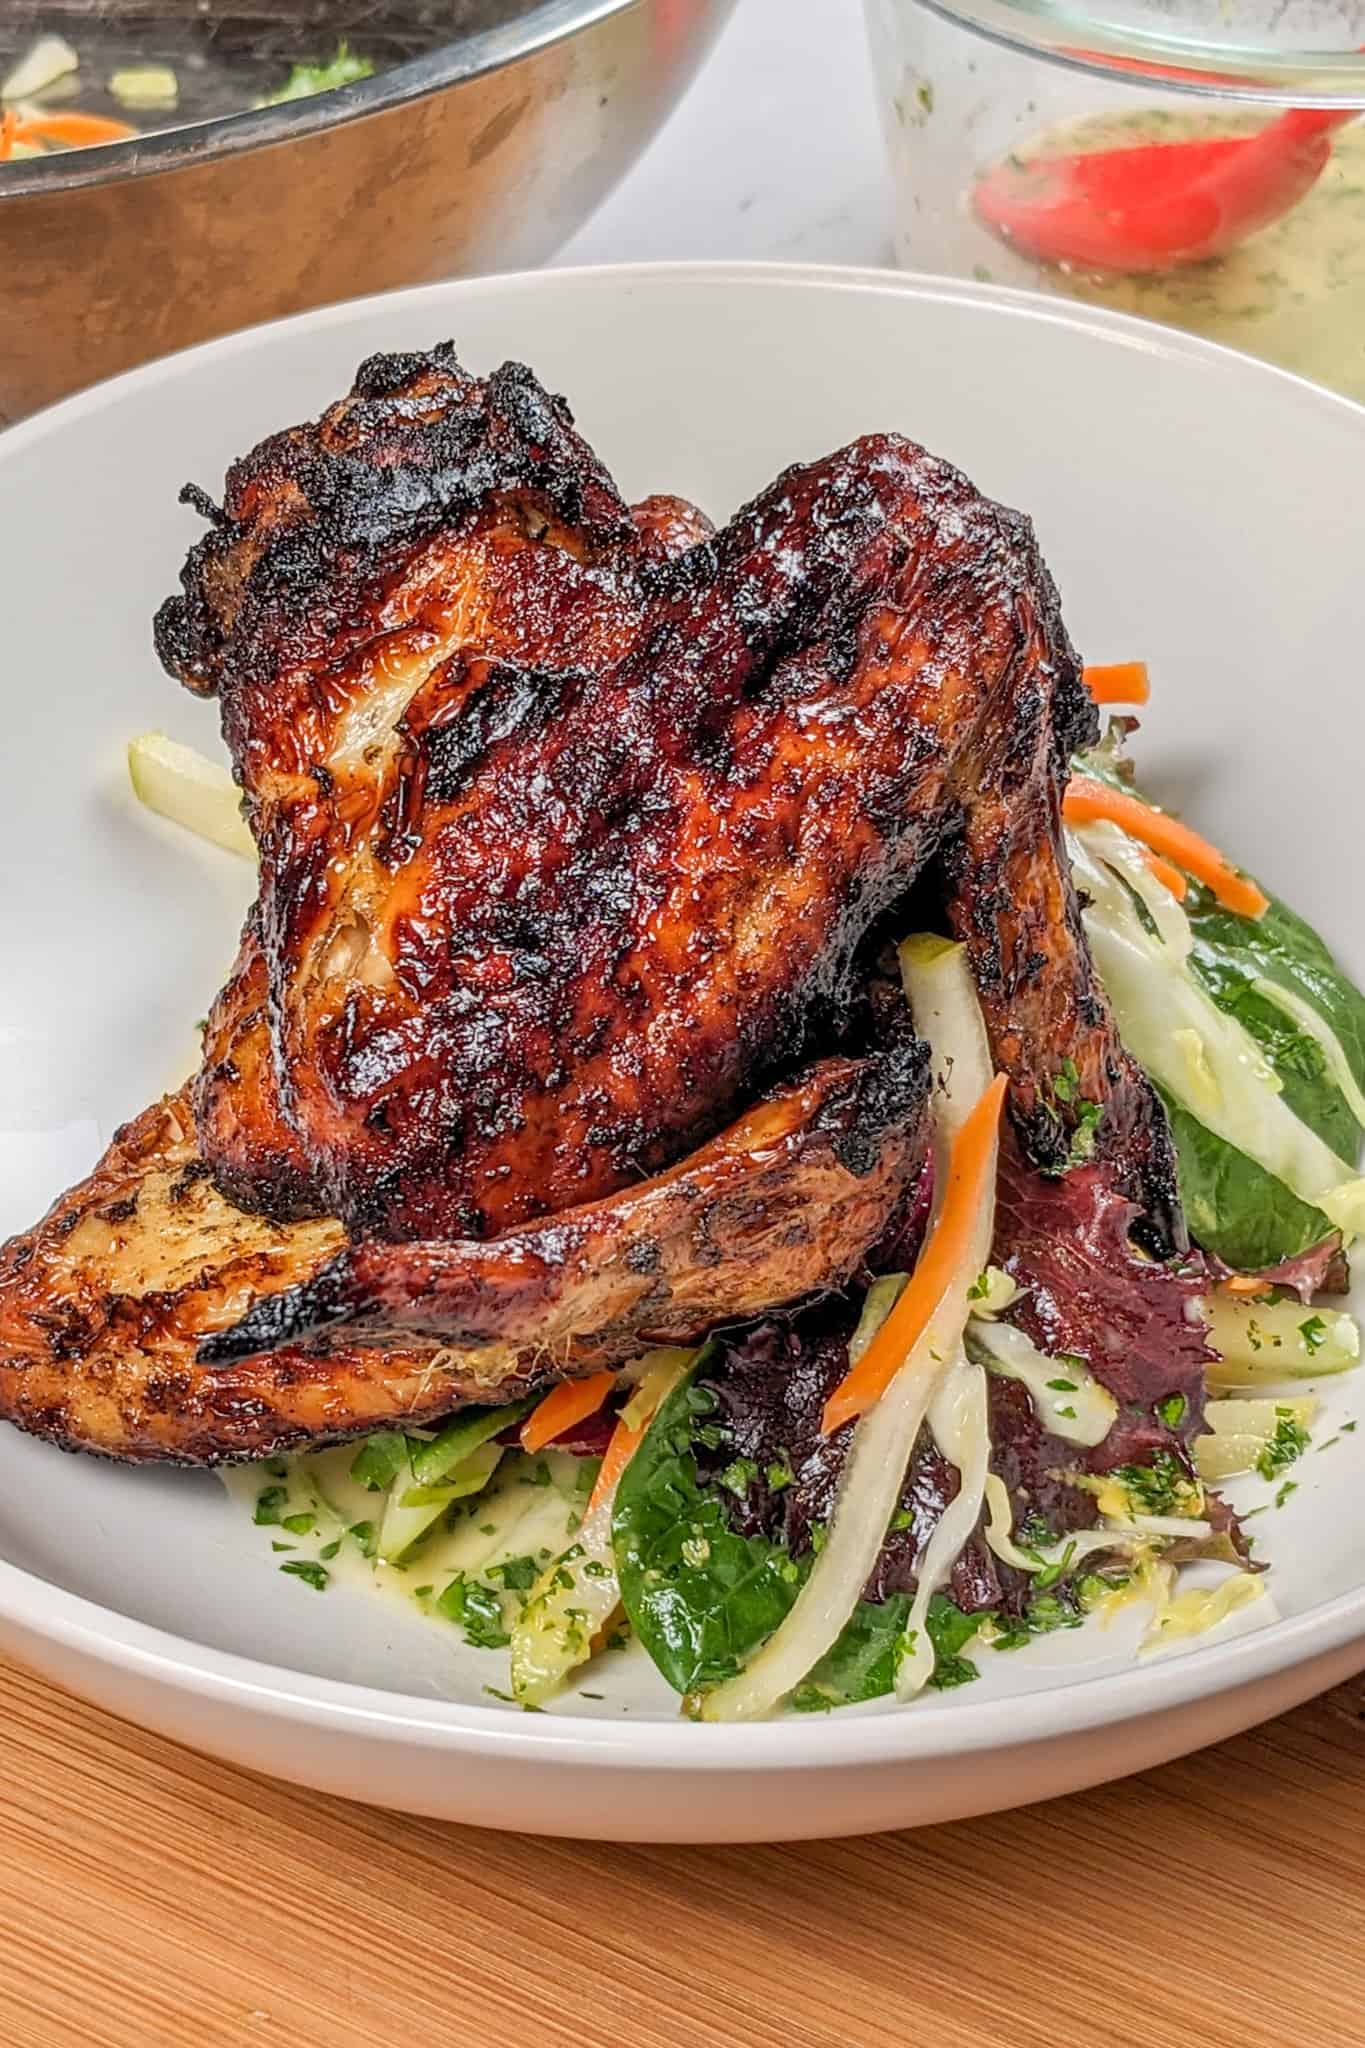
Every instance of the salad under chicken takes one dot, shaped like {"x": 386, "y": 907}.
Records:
{"x": 1012, "y": 1420}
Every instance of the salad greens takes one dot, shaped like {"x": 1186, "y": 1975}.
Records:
{"x": 1231, "y": 953}
{"x": 1238, "y": 1208}
{"x": 345, "y": 68}
{"x": 699, "y": 1596}
{"x": 758, "y": 1553}
{"x": 702, "y": 1597}
{"x": 1235, "y": 1209}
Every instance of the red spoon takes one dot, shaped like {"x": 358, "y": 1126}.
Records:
{"x": 1158, "y": 204}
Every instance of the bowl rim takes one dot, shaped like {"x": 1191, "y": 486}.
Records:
{"x": 1148, "y": 59}
{"x": 477, "y": 55}
{"x": 90, "y": 1632}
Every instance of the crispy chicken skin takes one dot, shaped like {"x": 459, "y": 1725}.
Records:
{"x": 106, "y": 1303}
{"x": 579, "y": 830}
{"x": 535, "y": 921}
{"x": 256, "y": 1154}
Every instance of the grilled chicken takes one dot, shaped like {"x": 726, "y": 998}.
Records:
{"x": 568, "y": 846}
{"x": 578, "y": 831}
{"x": 112, "y": 1307}
{"x": 255, "y": 1152}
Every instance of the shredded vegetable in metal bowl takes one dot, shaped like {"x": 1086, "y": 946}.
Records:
{"x": 52, "y": 98}
{"x": 1012, "y": 1420}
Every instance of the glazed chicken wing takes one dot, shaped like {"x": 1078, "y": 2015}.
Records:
{"x": 256, "y": 1153}
{"x": 121, "y": 1312}
{"x": 536, "y": 920}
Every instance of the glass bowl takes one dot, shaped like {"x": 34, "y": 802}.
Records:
{"x": 978, "y": 96}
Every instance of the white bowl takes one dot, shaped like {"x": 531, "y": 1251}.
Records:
{"x": 1201, "y": 511}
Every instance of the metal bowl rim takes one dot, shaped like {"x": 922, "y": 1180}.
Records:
{"x": 473, "y": 56}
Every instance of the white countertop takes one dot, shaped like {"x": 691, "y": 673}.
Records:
{"x": 775, "y": 152}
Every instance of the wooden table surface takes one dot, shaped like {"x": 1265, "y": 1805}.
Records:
{"x": 148, "y": 1897}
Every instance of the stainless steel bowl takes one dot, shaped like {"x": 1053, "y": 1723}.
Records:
{"x": 484, "y": 154}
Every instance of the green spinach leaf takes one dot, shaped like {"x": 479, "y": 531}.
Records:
{"x": 703, "y": 1598}
{"x": 1234, "y": 1208}
{"x": 700, "y": 1597}
{"x": 1230, "y": 952}
{"x": 862, "y": 1664}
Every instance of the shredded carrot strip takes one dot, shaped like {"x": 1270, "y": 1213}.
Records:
{"x": 1169, "y": 877}
{"x": 8, "y": 131}
{"x": 1119, "y": 682}
{"x": 1085, "y": 801}
{"x": 625, "y": 1442}
{"x": 570, "y": 1402}
{"x": 920, "y": 1299}
{"x": 77, "y": 131}
{"x": 1246, "y": 1283}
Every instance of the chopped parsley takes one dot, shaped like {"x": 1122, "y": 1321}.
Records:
{"x": 1090, "y": 1115}
{"x": 981, "y": 1286}
{"x": 366, "y": 1536}
{"x": 739, "y": 1475}
{"x": 1313, "y": 1332}
{"x": 1289, "y": 1442}
{"x": 329, "y": 1550}
{"x": 1050, "y": 1608}
{"x": 300, "y": 1525}
{"x": 1050, "y": 1573}
{"x": 1290, "y": 1486}
{"x": 1163, "y": 1487}
{"x": 779, "y": 1475}
{"x": 517, "y": 1574}
{"x": 1049, "y": 1611}
{"x": 1066, "y": 1086}
{"x": 270, "y": 1505}
{"x": 306, "y": 1568}
{"x": 1064, "y": 1386}
{"x": 1093, "y": 1587}
{"x": 1172, "y": 1410}
{"x": 477, "y": 1610}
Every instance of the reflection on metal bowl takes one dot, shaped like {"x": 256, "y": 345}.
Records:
{"x": 484, "y": 153}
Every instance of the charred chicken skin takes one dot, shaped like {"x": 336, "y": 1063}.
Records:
{"x": 535, "y": 919}
{"x": 121, "y": 1314}
{"x": 578, "y": 831}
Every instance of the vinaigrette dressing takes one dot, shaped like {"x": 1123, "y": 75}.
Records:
{"x": 1295, "y": 293}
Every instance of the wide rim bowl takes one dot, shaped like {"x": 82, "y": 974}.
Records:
{"x": 88, "y": 1630}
